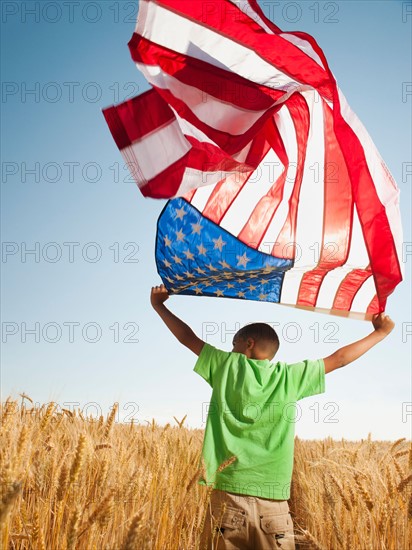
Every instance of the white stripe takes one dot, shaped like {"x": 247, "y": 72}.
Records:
{"x": 386, "y": 188}
{"x": 185, "y": 36}
{"x": 357, "y": 259}
{"x": 188, "y": 129}
{"x": 219, "y": 114}
{"x": 158, "y": 150}
{"x": 284, "y": 123}
{"x": 309, "y": 224}
{"x": 241, "y": 156}
{"x": 254, "y": 189}
{"x": 302, "y": 44}
{"x": 330, "y": 285}
{"x": 248, "y": 10}
{"x": 133, "y": 166}
{"x": 199, "y": 179}
{"x": 201, "y": 196}
{"x": 364, "y": 295}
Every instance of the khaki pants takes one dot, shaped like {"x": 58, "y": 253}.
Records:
{"x": 240, "y": 522}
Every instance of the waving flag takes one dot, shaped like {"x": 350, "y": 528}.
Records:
{"x": 278, "y": 192}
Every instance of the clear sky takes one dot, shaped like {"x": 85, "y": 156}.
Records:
{"x": 77, "y": 327}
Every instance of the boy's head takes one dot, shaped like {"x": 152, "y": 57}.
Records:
{"x": 256, "y": 341}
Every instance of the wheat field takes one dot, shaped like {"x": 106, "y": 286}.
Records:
{"x": 75, "y": 483}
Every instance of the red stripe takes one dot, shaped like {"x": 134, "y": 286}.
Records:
{"x": 372, "y": 214}
{"x": 349, "y": 287}
{"x": 373, "y": 307}
{"x": 189, "y": 196}
{"x": 255, "y": 6}
{"x": 225, "y": 18}
{"x": 204, "y": 157}
{"x": 337, "y": 216}
{"x": 198, "y": 74}
{"x": 213, "y": 81}
{"x": 229, "y": 143}
{"x": 137, "y": 117}
{"x": 225, "y": 192}
{"x": 263, "y": 213}
{"x": 299, "y": 112}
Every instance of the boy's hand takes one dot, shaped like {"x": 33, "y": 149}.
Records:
{"x": 159, "y": 295}
{"x": 178, "y": 328}
{"x": 382, "y": 323}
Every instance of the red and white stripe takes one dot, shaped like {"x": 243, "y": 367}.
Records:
{"x": 248, "y": 124}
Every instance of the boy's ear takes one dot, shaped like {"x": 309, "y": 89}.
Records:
{"x": 250, "y": 343}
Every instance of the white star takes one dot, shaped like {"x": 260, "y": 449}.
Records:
{"x": 207, "y": 283}
{"x": 171, "y": 281}
{"x": 210, "y": 266}
{"x": 196, "y": 227}
{"x": 180, "y": 213}
{"x": 197, "y": 290}
{"x": 262, "y": 296}
{"x": 188, "y": 254}
{"x": 200, "y": 271}
{"x": 167, "y": 264}
{"x": 168, "y": 242}
{"x": 219, "y": 243}
{"x": 189, "y": 275}
{"x": 241, "y": 294}
{"x": 177, "y": 259}
{"x": 243, "y": 260}
{"x": 202, "y": 249}
{"x": 180, "y": 235}
{"x": 219, "y": 292}
{"x": 252, "y": 288}
{"x": 229, "y": 285}
{"x": 179, "y": 278}
{"x": 224, "y": 264}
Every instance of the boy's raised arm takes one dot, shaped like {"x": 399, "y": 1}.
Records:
{"x": 382, "y": 324}
{"x": 181, "y": 330}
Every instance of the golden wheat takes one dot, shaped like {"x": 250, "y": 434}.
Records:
{"x": 74, "y": 483}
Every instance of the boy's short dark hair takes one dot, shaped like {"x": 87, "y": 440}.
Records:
{"x": 260, "y": 332}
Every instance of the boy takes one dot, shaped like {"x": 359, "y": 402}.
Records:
{"x": 249, "y": 436}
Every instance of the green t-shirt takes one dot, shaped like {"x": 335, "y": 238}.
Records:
{"x": 252, "y": 415}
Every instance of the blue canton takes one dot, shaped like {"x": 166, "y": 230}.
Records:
{"x": 196, "y": 256}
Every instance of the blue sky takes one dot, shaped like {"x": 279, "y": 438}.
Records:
{"x": 84, "y": 292}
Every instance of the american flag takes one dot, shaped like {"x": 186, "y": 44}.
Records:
{"x": 246, "y": 130}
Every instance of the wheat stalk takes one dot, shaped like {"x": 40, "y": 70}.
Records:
{"x": 404, "y": 483}
{"x": 131, "y": 541}
{"x": 364, "y": 493}
{"x": 396, "y": 444}
{"x": 47, "y": 415}
{"x": 78, "y": 459}
{"x": 8, "y": 498}
{"x": 110, "y": 420}
{"x": 342, "y": 495}
{"x": 73, "y": 529}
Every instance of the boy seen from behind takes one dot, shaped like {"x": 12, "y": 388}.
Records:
{"x": 249, "y": 436}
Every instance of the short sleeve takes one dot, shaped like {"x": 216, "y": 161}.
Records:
{"x": 209, "y": 362}
{"x": 307, "y": 377}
